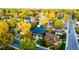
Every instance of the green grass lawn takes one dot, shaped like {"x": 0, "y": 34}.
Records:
{"x": 62, "y": 47}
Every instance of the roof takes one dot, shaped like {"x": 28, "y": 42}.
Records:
{"x": 51, "y": 36}
{"x": 33, "y": 21}
{"x": 16, "y": 42}
{"x": 38, "y": 30}
{"x": 60, "y": 29}
{"x": 27, "y": 18}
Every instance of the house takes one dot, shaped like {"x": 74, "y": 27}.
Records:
{"x": 59, "y": 31}
{"x": 34, "y": 22}
{"x": 50, "y": 24}
{"x": 55, "y": 41}
{"x": 27, "y": 20}
{"x": 16, "y": 42}
{"x": 51, "y": 36}
{"x": 38, "y": 31}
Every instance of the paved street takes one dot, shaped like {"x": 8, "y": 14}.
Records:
{"x": 72, "y": 43}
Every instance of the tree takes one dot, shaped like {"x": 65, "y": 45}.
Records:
{"x": 77, "y": 30}
{"x": 24, "y": 26}
{"x": 3, "y": 31}
{"x": 27, "y": 44}
{"x": 52, "y": 15}
{"x": 11, "y": 22}
{"x": 74, "y": 21}
{"x": 3, "y": 27}
{"x": 66, "y": 16}
{"x": 58, "y": 23}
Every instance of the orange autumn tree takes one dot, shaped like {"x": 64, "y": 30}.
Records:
{"x": 25, "y": 26}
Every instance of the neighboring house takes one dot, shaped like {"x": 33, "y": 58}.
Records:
{"x": 59, "y": 31}
{"x": 38, "y": 31}
{"x": 27, "y": 19}
{"x": 51, "y": 36}
{"x": 50, "y": 24}
{"x": 77, "y": 25}
{"x": 34, "y": 22}
{"x": 16, "y": 42}
{"x": 55, "y": 40}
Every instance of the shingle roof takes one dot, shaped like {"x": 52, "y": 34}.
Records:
{"x": 38, "y": 30}
{"x": 51, "y": 36}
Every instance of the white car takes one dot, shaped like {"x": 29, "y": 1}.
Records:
{"x": 77, "y": 23}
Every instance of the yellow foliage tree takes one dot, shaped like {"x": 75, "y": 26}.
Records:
{"x": 52, "y": 15}
{"x": 25, "y": 26}
{"x": 11, "y": 22}
{"x": 58, "y": 23}
{"x": 3, "y": 27}
{"x": 46, "y": 14}
{"x": 43, "y": 22}
{"x": 74, "y": 21}
{"x": 66, "y": 17}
